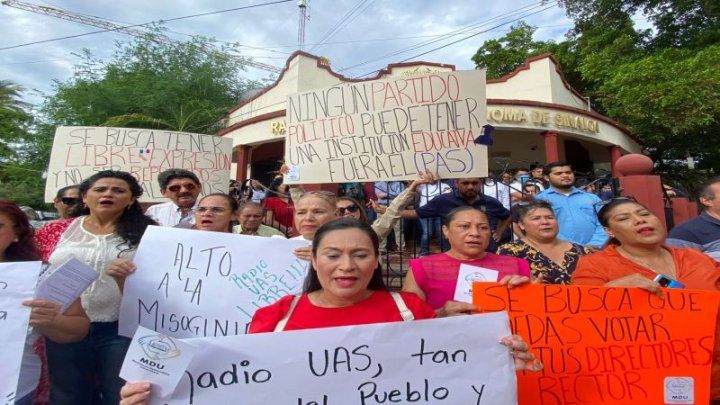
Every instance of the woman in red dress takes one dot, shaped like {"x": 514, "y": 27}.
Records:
{"x": 344, "y": 287}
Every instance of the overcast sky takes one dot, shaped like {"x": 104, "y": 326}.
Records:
{"x": 360, "y": 47}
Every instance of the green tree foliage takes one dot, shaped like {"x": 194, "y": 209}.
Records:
{"x": 10, "y": 97}
{"x": 678, "y": 23}
{"x": 501, "y": 56}
{"x": 185, "y": 86}
{"x": 20, "y": 168}
{"x": 661, "y": 83}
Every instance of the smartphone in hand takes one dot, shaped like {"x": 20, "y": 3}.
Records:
{"x": 667, "y": 282}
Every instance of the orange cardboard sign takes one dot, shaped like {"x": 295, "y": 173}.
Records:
{"x": 610, "y": 345}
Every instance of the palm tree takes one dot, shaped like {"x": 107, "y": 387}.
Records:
{"x": 9, "y": 97}
{"x": 191, "y": 116}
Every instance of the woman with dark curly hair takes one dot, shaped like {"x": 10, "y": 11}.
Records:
{"x": 110, "y": 228}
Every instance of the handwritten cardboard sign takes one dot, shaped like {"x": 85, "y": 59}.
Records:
{"x": 17, "y": 284}
{"x": 201, "y": 283}
{"x": 80, "y": 152}
{"x": 450, "y": 361}
{"x": 388, "y": 129}
{"x": 610, "y": 345}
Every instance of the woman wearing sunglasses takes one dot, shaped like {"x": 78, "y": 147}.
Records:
{"x": 350, "y": 207}
{"x": 637, "y": 257}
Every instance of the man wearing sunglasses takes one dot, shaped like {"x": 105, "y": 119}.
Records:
{"x": 65, "y": 199}
{"x": 182, "y": 187}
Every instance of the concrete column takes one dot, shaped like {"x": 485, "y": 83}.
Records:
{"x": 551, "y": 146}
{"x": 242, "y": 157}
{"x": 615, "y": 154}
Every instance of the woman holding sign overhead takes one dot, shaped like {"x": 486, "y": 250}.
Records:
{"x": 434, "y": 278}
{"x": 111, "y": 227}
{"x": 343, "y": 287}
{"x": 16, "y": 245}
{"x": 637, "y": 257}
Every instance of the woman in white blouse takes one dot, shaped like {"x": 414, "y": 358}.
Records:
{"x": 87, "y": 372}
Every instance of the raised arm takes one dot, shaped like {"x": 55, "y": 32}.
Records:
{"x": 384, "y": 224}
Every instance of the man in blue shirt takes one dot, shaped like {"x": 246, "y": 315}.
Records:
{"x": 466, "y": 192}
{"x": 574, "y": 208}
{"x": 703, "y": 232}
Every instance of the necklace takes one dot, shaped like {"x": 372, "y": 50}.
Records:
{"x": 670, "y": 267}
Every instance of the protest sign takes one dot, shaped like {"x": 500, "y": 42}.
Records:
{"x": 202, "y": 283}
{"x": 388, "y": 129}
{"x": 80, "y": 152}
{"x": 610, "y": 345}
{"x": 17, "y": 284}
{"x": 456, "y": 360}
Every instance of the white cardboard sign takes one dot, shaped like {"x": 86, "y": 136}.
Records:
{"x": 389, "y": 129}
{"x": 452, "y": 361}
{"x": 191, "y": 283}
{"x": 17, "y": 284}
{"x": 79, "y": 152}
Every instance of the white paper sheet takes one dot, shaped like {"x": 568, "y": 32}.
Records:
{"x": 157, "y": 357}
{"x": 66, "y": 282}
{"x": 468, "y": 275}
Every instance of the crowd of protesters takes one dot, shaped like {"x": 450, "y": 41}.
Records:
{"x": 530, "y": 225}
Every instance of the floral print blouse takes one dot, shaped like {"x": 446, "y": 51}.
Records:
{"x": 541, "y": 264}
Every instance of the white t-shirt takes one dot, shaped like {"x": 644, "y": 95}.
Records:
{"x": 499, "y": 191}
{"x": 429, "y": 191}
{"x": 169, "y": 214}
{"x": 258, "y": 195}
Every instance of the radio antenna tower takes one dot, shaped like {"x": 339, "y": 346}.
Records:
{"x": 302, "y": 12}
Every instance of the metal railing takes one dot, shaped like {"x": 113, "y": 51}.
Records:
{"x": 395, "y": 261}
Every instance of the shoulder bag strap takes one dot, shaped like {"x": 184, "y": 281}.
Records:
{"x": 281, "y": 324}
{"x": 405, "y": 312}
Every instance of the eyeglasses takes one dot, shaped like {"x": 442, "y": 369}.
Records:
{"x": 350, "y": 208}
{"x": 212, "y": 210}
{"x": 177, "y": 187}
{"x": 69, "y": 200}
